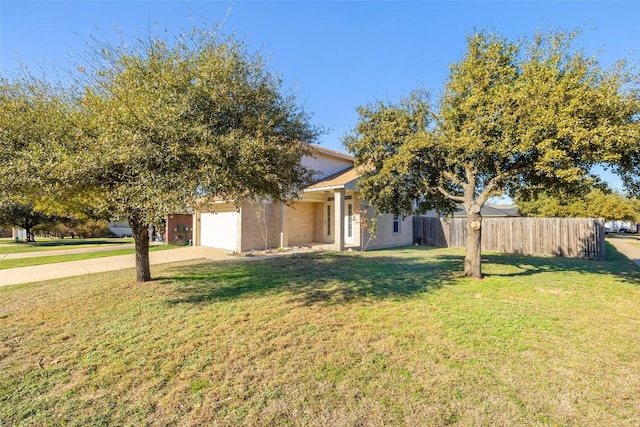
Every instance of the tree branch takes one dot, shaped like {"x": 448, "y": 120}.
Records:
{"x": 489, "y": 189}
{"x": 448, "y": 195}
{"x": 452, "y": 177}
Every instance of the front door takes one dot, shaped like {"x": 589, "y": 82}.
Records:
{"x": 328, "y": 222}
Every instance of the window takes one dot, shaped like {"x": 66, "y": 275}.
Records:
{"x": 396, "y": 224}
{"x": 328, "y": 220}
{"x": 349, "y": 220}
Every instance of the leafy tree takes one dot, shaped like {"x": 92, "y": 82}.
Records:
{"x": 22, "y": 215}
{"x": 154, "y": 126}
{"x": 35, "y": 129}
{"x": 595, "y": 204}
{"x": 168, "y": 124}
{"x": 513, "y": 117}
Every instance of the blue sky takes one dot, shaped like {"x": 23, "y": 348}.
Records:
{"x": 335, "y": 55}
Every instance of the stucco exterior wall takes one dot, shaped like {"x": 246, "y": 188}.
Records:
{"x": 325, "y": 164}
{"x": 385, "y": 237}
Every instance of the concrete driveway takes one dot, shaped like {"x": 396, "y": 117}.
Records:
{"x": 37, "y": 273}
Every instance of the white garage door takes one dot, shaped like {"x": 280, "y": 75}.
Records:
{"x": 219, "y": 230}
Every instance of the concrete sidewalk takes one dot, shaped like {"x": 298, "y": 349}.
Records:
{"x": 37, "y": 273}
{"x": 625, "y": 248}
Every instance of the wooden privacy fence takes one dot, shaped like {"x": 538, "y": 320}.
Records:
{"x": 566, "y": 237}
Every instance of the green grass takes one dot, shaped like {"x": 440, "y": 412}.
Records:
{"x": 11, "y": 247}
{"x": 390, "y": 337}
{"x": 27, "y": 262}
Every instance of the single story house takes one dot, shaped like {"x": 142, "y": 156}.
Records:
{"x": 329, "y": 213}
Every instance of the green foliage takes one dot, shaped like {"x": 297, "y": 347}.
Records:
{"x": 517, "y": 117}
{"x": 36, "y": 130}
{"x": 513, "y": 117}
{"x": 595, "y": 204}
{"x": 199, "y": 116}
{"x": 154, "y": 126}
{"x": 387, "y": 145}
{"x": 22, "y": 215}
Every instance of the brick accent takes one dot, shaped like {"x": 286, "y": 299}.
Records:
{"x": 179, "y": 229}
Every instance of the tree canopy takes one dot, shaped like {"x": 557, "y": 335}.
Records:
{"x": 159, "y": 125}
{"x": 595, "y": 204}
{"x": 514, "y": 117}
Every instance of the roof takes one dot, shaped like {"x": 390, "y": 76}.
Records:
{"x": 330, "y": 152}
{"x": 491, "y": 211}
{"x": 344, "y": 179}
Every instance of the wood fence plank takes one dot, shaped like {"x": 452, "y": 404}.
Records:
{"x": 567, "y": 237}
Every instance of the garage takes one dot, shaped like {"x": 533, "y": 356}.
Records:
{"x": 219, "y": 230}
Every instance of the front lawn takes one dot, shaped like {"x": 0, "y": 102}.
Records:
{"x": 390, "y": 337}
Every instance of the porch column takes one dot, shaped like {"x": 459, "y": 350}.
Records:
{"x": 195, "y": 227}
{"x": 338, "y": 219}
{"x": 284, "y": 230}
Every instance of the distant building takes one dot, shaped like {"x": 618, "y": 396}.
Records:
{"x": 120, "y": 229}
{"x": 491, "y": 211}
{"x": 487, "y": 211}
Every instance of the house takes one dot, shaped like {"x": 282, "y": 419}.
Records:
{"x": 487, "y": 211}
{"x": 120, "y": 229}
{"x": 13, "y": 233}
{"x": 329, "y": 213}
{"x": 491, "y": 211}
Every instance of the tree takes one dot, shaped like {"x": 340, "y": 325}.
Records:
{"x": 513, "y": 117}
{"x": 154, "y": 126}
{"x": 22, "y": 215}
{"x": 35, "y": 129}
{"x": 595, "y": 204}
{"x": 166, "y": 125}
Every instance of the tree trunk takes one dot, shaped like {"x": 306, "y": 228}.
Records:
{"x": 141, "y": 238}
{"x": 473, "y": 246}
{"x": 30, "y": 237}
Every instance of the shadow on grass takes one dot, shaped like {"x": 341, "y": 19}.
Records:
{"x": 327, "y": 278}
{"x": 616, "y": 264}
{"x": 333, "y": 278}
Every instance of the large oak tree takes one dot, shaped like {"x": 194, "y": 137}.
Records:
{"x": 159, "y": 125}
{"x": 514, "y": 117}
{"x": 173, "y": 123}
